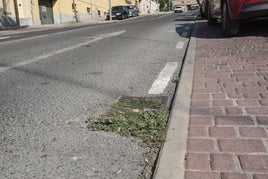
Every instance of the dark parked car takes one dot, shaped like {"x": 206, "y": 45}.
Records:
{"x": 119, "y": 12}
{"x": 231, "y": 12}
{"x": 133, "y": 11}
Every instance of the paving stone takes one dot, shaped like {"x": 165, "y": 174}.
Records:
{"x": 222, "y": 132}
{"x": 234, "y": 111}
{"x": 235, "y": 176}
{"x": 200, "y": 145}
{"x": 257, "y": 110}
{"x": 260, "y": 176}
{"x": 248, "y": 102}
{"x": 197, "y": 161}
{"x": 222, "y": 162}
{"x": 200, "y": 103}
{"x": 200, "y": 96}
{"x": 262, "y": 120}
{"x": 254, "y": 132}
{"x": 241, "y": 145}
{"x": 257, "y": 164}
{"x": 198, "y": 131}
{"x": 206, "y": 111}
{"x": 222, "y": 103}
{"x": 201, "y": 175}
{"x": 219, "y": 96}
{"x": 201, "y": 121}
{"x": 234, "y": 121}
{"x": 264, "y": 102}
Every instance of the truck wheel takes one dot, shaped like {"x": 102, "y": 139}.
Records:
{"x": 230, "y": 27}
{"x": 211, "y": 20}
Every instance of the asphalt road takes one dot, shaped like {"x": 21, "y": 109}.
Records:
{"x": 51, "y": 81}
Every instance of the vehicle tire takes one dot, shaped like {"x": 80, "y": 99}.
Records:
{"x": 203, "y": 11}
{"x": 123, "y": 17}
{"x": 230, "y": 27}
{"x": 203, "y": 15}
{"x": 211, "y": 20}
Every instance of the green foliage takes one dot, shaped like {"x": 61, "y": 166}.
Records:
{"x": 142, "y": 118}
{"x": 164, "y": 5}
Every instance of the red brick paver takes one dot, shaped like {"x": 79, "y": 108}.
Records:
{"x": 228, "y": 125}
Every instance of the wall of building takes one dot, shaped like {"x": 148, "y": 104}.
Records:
{"x": 7, "y": 14}
{"x": 86, "y": 9}
{"x": 25, "y": 12}
{"x": 184, "y": 3}
{"x": 148, "y": 7}
{"x": 29, "y": 12}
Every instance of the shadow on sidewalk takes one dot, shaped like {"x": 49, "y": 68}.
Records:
{"x": 248, "y": 28}
{"x": 13, "y": 28}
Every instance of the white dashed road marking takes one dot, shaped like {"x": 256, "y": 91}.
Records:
{"x": 161, "y": 82}
{"x": 42, "y": 57}
{"x": 5, "y": 37}
{"x": 19, "y": 40}
{"x": 180, "y": 45}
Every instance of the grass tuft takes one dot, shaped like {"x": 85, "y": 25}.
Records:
{"x": 142, "y": 118}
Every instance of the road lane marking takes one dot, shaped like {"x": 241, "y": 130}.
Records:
{"x": 161, "y": 16}
{"x": 5, "y": 37}
{"x": 161, "y": 82}
{"x": 73, "y": 30}
{"x": 42, "y": 57}
{"x": 180, "y": 45}
{"x": 19, "y": 40}
{"x": 111, "y": 34}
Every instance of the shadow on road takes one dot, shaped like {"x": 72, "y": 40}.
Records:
{"x": 248, "y": 28}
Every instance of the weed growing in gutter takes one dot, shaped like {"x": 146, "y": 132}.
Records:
{"x": 142, "y": 118}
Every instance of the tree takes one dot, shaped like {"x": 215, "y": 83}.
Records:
{"x": 163, "y": 5}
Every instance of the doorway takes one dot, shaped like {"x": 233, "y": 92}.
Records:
{"x": 46, "y": 11}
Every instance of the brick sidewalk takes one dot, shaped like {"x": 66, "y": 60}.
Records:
{"x": 228, "y": 128}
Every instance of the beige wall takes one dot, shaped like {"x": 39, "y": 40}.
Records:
{"x": 10, "y": 8}
{"x": 87, "y": 10}
{"x": 148, "y": 7}
{"x": 28, "y": 10}
{"x": 184, "y": 2}
{"x": 25, "y": 8}
{"x": 7, "y": 16}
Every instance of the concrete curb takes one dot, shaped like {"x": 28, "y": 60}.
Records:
{"x": 14, "y": 30}
{"x": 28, "y": 29}
{"x": 171, "y": 158}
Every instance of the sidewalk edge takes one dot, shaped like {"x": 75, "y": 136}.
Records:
{"x": 171, "y": 158}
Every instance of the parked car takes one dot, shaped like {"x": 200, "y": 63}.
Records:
{"x": 119, "y": 12}
{"x": 194, "y": 8}
{"x": 178, "y": 9}
{"x": 133, "y": 11}
{"x": 231, "y": 12}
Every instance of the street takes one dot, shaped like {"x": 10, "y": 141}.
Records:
{"x": 52, "y": 81}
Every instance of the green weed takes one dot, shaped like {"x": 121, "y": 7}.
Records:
{"x": 137, "y": 117}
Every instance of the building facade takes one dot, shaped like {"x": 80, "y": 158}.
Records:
{"x": 186, "y": 4}
{"x": 38, "y": 12}
{"x": 148, "y": 7}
